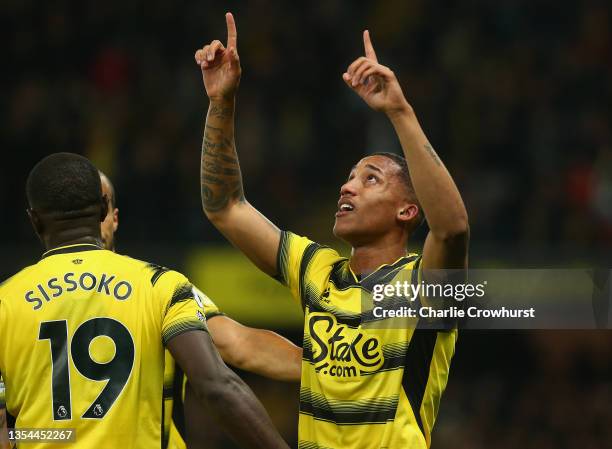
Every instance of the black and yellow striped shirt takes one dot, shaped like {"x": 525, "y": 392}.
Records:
{"x": 366, "y": 387}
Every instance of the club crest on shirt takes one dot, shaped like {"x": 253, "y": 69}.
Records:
{"x": 342, "y": 351}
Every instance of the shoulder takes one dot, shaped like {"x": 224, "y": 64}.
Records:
{"x": 164, "y": 283}
{"x": 298, "y": 255}
{"x": 18, "y": 278}
{"x": 210, "y": 308}
{"x": 296, "y": 246}
{"x": 150, "y": 270}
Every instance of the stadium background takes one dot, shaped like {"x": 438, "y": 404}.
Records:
{"x": 512, "y": 93}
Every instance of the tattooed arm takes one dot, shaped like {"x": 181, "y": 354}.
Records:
{"x": 221, "y": 181}
{"x": 446, "y": 245}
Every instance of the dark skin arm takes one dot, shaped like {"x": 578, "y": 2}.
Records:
{"x": 258, "y": 351}
{"x": 197, "y": 436}
{"x": 222, "y": 393}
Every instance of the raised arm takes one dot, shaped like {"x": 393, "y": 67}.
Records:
{"x": 221, "y": 181}
{"x": 259, "y": 351}
{"x": 226, "y": 397}
{"x": 446, "y": 245}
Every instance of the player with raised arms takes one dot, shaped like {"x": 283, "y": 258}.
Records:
{"x": 361, "y": 388}
{"x": 256, "y": 350}
{"x": 83, "y": 331}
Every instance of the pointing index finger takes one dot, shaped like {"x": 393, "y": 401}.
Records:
{"x": 369, "y": 48}
{"x": 232, "y": 34}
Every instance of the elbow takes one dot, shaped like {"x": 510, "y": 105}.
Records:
{"x": 238, "y": 359}
{"x": 219, "y": 212}
{"x": 218, "y": 216}
{"x": 456, "y": 233}
{"x": 215, "y": 390}
{"x": 235, "y": 346}
{"x": 215, "y": 216}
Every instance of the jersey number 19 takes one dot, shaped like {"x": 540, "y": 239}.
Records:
{"x": 116, "y": 371}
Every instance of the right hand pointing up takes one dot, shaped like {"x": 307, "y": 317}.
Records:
{"x": 220, "y": 65}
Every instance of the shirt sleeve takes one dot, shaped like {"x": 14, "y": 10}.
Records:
{"x": 210, "y": 308}
{"x": 182, "y": 310}
{"x": 299, "y": 261}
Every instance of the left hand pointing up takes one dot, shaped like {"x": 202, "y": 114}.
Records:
{"x": 374, "y": 82}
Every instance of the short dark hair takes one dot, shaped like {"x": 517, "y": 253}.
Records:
{"x": 400, "y": 161}
{"x": 63, "y": 183}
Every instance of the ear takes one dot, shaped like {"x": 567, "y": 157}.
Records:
{"x": 115, "y": 219}
{"x": 104, "y": 208}
{"x": 37, "y": 223}
{"x": 407, "y": 213}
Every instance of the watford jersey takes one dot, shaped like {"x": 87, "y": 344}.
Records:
{"x": 174, "y": 388}
{"x": 82, "y": 337}
{"x": 363, "y": 387}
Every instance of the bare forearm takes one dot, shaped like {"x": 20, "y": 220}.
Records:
{"x": 258, "y": 351}
{"x": 235, "y": 407}
{"x": 272, "y": 356}
{"x": 222, "y": 193}
{"x": 220, "y": 177}
{"x": 434, "y": 187}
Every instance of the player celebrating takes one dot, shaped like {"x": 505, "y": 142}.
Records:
{"x": 82, "y": 332}
{"x": 361, "y": 387}
{"x": 256, "y": 350}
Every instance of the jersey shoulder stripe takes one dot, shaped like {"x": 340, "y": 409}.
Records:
{"x": 307, "y": 258}
{"x": 183, "y": 292}
{"x": 158, "y": 271}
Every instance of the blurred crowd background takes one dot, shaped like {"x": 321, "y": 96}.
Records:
{"x": 515, "y": 96}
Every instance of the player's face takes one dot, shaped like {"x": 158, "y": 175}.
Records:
{"x": 370, "y": 201}
{"x": 111, "y": 221}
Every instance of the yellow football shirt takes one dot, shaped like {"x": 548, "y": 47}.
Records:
{"x": 82, "y": 336}
{"x": 363, "y": 387}
{"x": 174, "y": 388}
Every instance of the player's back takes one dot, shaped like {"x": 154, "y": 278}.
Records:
{"x": 81, "y": 336}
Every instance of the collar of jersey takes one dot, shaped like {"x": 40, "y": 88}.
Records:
{"x": 76, "y": 248}
{"x": 360, "y": 279}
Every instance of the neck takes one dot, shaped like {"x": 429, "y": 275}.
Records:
{"x": 368, "y": 257}
{"x": 74, "y": 236}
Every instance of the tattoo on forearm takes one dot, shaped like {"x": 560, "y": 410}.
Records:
{"x": 221, "y": 180}
{"x": 433, "y": 154}
{"x": 222, "y": 112}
